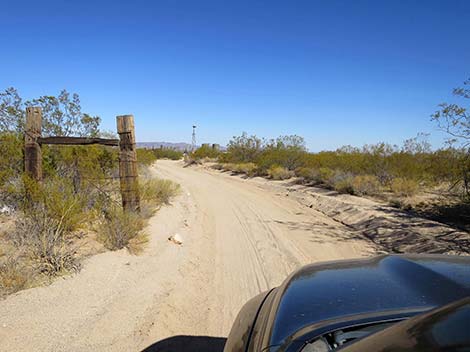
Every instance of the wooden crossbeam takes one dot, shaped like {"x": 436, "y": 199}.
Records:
{"x": 77, "y": 141}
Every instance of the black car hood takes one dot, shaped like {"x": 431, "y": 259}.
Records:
{"x": 326, "y": 291}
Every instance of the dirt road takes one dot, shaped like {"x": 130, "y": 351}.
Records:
{"x": 241, "y": 237}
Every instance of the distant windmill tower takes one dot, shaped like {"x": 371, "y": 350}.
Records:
{"x": 193, "y": 143}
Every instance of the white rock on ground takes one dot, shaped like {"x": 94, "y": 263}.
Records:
{"x": 176, "y": 238}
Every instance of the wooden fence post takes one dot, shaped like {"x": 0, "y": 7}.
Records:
{"x": 128, "y": 163}
{"x": 32, "y": 149}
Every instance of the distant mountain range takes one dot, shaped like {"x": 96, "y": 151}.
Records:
{"x": 177, "y": 146}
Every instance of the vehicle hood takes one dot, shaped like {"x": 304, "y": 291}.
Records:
{"x": 328, "y": 291}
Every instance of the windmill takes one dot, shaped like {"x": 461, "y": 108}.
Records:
{"x": 193, "y": 143}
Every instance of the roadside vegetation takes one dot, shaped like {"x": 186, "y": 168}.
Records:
{"x": 434, "y": 183}
{"x": 47, "y": 228}
{"x": 412, "y": 176}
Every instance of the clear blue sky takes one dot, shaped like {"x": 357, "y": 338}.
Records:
{"x": 335, "y": 72}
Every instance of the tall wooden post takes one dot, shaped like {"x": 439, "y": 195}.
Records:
{"x": 128, "y": 163}
{"x": 32, "y": 149}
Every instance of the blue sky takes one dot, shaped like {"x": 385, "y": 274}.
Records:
{"x": 335, "y": 72}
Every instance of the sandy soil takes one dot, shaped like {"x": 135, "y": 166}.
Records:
{"x": 241, "y": 237}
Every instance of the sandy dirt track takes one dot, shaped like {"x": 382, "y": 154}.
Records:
{"x": 241, "y": 237}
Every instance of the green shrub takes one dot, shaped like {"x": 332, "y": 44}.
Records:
{"x": 157, "y": 191}
{"x": 168, "y": 153}
{"x": 344, "y": 186}
{"x": 146, "y": 156}
{"x": 228, "y": 167}
{"x": 279, "y": 173}
{"x": 325, "y": 175}
{"x": 307, "y": 174}
{"x": 205, "y": 151}
{"x": 249, "y": 169}
{"x": 366, "y": 185}
{"x": 242, "y": 149}
{"x": 342, "y": 182}
{"x": 404, "y": 187}
{"x": 11, "y": 161}
{"x": 118, "y": 227}
{"x": 46, "y": 240}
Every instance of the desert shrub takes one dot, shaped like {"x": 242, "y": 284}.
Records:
{"x": 55, "y": 197}
{"x": 285, "y": 151}
{"x": 228, "y": 167}
{"x": 242, "y": 149}
{"x": 249, "y": 169}
{"x": 118, "y": 227}
{"x": 366, "y": 185}
{"x": 308, "y": 174}
{"x": 14, "y": 276}
{"x": 145, "y": 156}
{"x": 325, "y": 175}
{"x": 404, "y": 187}
{"x": 342, "y": 182}
{"x": 85, "y": 166}
{"x": 189, "y": 160}
{"x": 50, "y": 213}
{"x": 218, "y": 166}
{"x": 279, "y": 173}
{"x": 11, "y": 161}
{"x": 167, "y": 153}
{"x": 205, "y": 151}
{"x": 157, "y": 191}
{"x": 396, "y": 203}
{"x": 46, "y": 241}
{"x": 232, "y": 167}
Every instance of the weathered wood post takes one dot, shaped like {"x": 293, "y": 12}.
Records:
{"x": 32, "y": 149}
{"x": 128, "y": 163}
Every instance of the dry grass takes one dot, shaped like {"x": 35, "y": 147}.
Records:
{"x": 249, "y": 169}
{"x": 117, "y": 227}
{"x": 14, "y": 276}
{"x": 46, "y": 241}
{"x": 279, "y": 173}
{"x": 157, "y": 191}
{"x": 404, "y": 187}
{"x": 366, "y": 185}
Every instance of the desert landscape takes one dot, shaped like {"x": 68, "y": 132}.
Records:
{"x": 239, "y": 237}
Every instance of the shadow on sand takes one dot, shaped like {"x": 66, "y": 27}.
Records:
{"x": 188, "y": 344}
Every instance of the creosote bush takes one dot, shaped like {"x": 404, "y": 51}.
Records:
{"x": 342, "y": 182}
{"x": 308, "y": 174}
{"x": 249, "y": 169}
{"x": 404, "y": 187}
{"x": 47, "y": 244}
{"x": 118, "y": 227}
{"x": 375, "y": 166}
{"x": 279, "y": 173}
{"x": 205, "y": 151}
{"x": 366, "y": 185}
{"x": 167, "y": 153}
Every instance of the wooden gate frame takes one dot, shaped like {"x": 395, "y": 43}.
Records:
{"x": 128, "y": 173}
